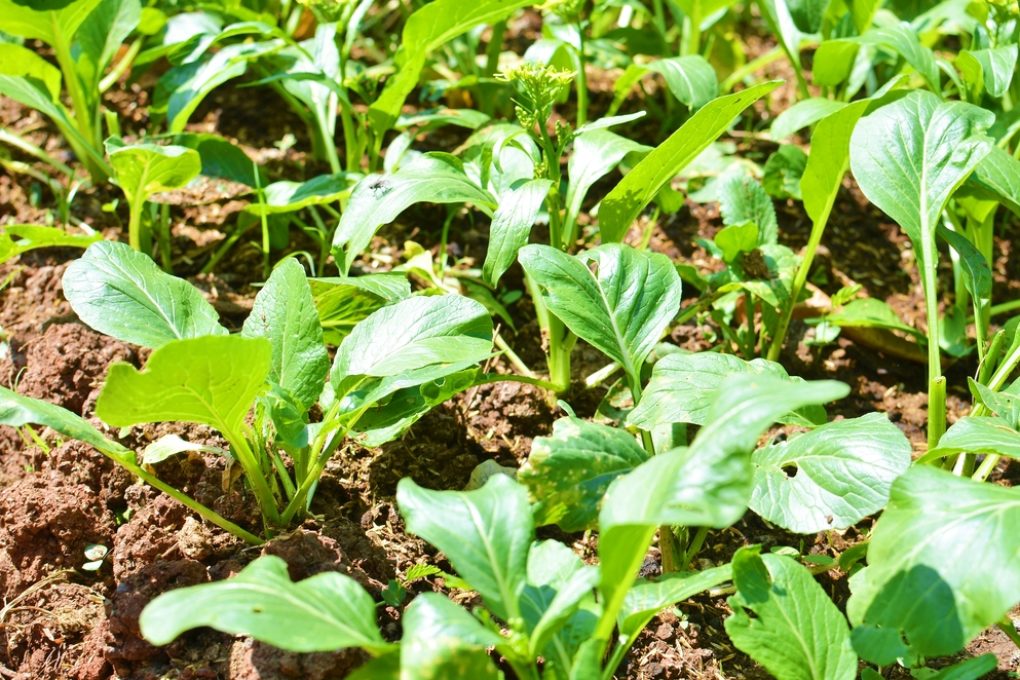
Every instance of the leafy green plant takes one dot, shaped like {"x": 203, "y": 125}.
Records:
{"x": 275, "y": 370}
{"x": 539, "y": 599}
{"x": 85, "y": 36}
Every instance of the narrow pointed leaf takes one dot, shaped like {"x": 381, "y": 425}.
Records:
{"x": 645, "y": 599}
{"x": 511, "y": 226}
{"x": 625, "y": 202}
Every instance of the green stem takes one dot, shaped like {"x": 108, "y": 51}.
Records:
{"x": 37, "y": 152}
{"x": 936, "y": 410}
{"x": 582, "y": 79}
{"x": 489, "y": 378}
{"x": 936, "y": 390}
{"x": 121, "y": 66}
{"x": 83, "y": 115}
{"x": 750, "y": 67}
{"x": 135, "y": 223}
{"x": 561, "y": 344}
{"x": 202, "y": 510}
{"x": 695, "y": 546}
{"x": 512, "y": 356}
{"x": 693, "y": 38}
{"x": 1007, "y": 627}
{"x": 256, "y": 477}
{"x": 799, "y": 281}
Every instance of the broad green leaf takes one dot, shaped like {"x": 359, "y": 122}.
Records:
{"x": 16, "y": 239}
{"x": 910, "y": 156}
{"x": 379, "y": 199}
{"x": 568, "y": 473}
{"x": 691, "y": 79}
{"x": 100, "y": 36}
{"x": 941, "y": 566}
{"x": 511, "y": 226}
{"x": 49, "y": 21}
{"x": 869, "y": 313}
{"x": 412, "y": 342}
{"x": 170, "y": 445}
{"x": 902, "y": 38}
{"x": 684, "y": 386}
{"x": 831, "y": 477}
{"x": 742, "y": 199}
{"x": 783, "y": 171}
{"x": 18, "y": 63}
{"x": 212, "y": 380}
{"x": 284, "y": 313}
{"x": 122, "y": 293}
{"x": 442, "y": 640}
{"x": 614, "y": 297}
{"x": 285, "y": 196}
{"x": 990, "y": 70}
{"x": 803, "y": 114}
{"x": 736, "y": 240}
{"x": 322, "y": 613}
{"x": 142, "y": 170}
{"x": 645, "y": 599}
{"x": 999, "y": 173}
{"x": 625, "y": 202}
{"x": 558, "y": 584}
{"x": 708, "y": 484}
{"x": 344, "y": 301}
{"x": 486, "y": 535}
{"x": 834, "y": 61}
{"x": 974, "y": 434}
{"x": 17, "y": 410}
{"x": 784, "y": 620}
{"x": 427, "y": 29}
{"x": 221, "y": 159}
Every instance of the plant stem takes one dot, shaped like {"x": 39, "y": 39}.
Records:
{"x": 489, "y": 378}
{"x": 582, "y": 79}
{"x": 692, "y": 40}
{"x": 1009, "y": 628}
{"x": 695, "y": 547}
{"x": 936, "y": 410}
{"x": 512, "y": 357}
{"x": 799, "y": 281}
{"x": 936, "y": 391}
{"x": 750, "y": 67}
{"x": 83, "y": 114}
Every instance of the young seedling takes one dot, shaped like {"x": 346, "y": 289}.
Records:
{"x": 257, "y": 388}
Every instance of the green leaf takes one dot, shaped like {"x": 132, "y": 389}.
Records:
{"x": 412, "y": 342}
{"x": 511, "y": 226}
{"x": 210, "y": 380}
{"x": 999, "y": 173}
{"x": 910, "y": 156}
{"x": 990, "y": 70}
{"x": 742, "y": 199}
{"x": 784, "y": 620}
{"x": 442, "y": 640}
{"x": 19, "y": 63}
{"x": 807, "y": 15}
{"x": 486, "y": 535}
{"x": 968, "y": 669}
{"x": 344, "y": 301}
{"x": 284, "y": 313}
{"x": 16, "y": 239}
{"x": 53, "y": 19}
{"x": 220, "y": 158}
{"x": 559, "y": 583}
{"x": 977, "y": 275}
{"x": 625, "y": 202}
{"x": 427, "y": 29}
{"x": 834, "y": 61}
{"x": 121, "y": 292}
{"x": 691, "y": 79}
{"x": 783, "y": 172}
{"x": 323, "y": 613}
{"x": 831, "y": 477}
{"x": 708, "y": 484}
{"x": 941, "y": 566}
{"x": 974, "y": 434}
{"x": 614, "y": 297}
{"x": 568, "y": 473}
{"x": 286, "y": 197}
{"x": 803, "y": 114}
{"x": 869, "y": 313}
{"x": 684, "y": 386}
{"x": 645, "y": 599}
{"x": 596, "y": 152}
{"x": 903, "y": 39}
{"x": 142, "y": 170}
{"x": 379, "y": 199}
{"x": 736, "y": 239}
{"x": 17, "y": 410}
{"x": 828, "y": 161}
{"x": 100, "y": 36}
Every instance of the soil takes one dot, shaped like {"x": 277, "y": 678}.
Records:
{"x": 60, "y": 499}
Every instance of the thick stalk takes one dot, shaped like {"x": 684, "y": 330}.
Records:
{"x": 693, "y": 37}
{"x": 135, "y": 224}
{"x": 256, "y": 477}
{"x": 83, "y": 114}
{"x": 561, "y": 344}
{"x": 582, "y": 78}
